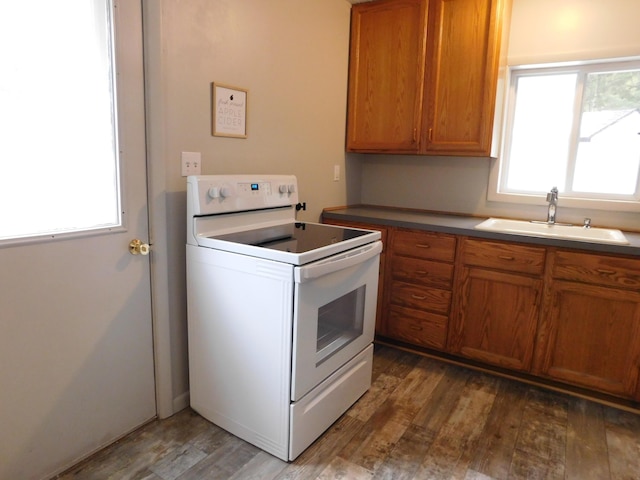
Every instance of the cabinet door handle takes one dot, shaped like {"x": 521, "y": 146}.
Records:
{"x": 604, "y": 271}
{"x": 506, "y": 257}
{"x": 421, "y": 272}
{"x": 423, "y": 245}
{"x": 418, "y": 297}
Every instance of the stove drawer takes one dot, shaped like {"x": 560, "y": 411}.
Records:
{"x": 317, "y": 410}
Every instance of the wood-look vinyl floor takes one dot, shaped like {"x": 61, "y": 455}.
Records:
{"x": 421, "y": 419}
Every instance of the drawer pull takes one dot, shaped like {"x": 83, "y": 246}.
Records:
{"x": 604, "y": 271}
{"x": 421, "y": 272}
{"x": 506, "y": 257}
{"x": 418, "y": 297}
{"x": 423, "y": 245}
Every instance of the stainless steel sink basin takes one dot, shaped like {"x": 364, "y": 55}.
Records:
{"x": 569, "y": 232}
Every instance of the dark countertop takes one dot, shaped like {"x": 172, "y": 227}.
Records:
{"x": 464, "y": 225}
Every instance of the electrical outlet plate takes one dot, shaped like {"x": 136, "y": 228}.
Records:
{"x": 191, "y": 162}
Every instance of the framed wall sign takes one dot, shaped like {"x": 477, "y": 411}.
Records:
{"x": 229, "y": 108}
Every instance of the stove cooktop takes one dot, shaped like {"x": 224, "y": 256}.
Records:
{"x": 295, "y": 243}
{"x": 298, "y": 237}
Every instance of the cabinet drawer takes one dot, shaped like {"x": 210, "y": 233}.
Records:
{"x": 422, "y": 272}
{"x": 422, "y": 298}
{"x": 597, "y": 269}
{"x": 427, "y": 245}
{"x": 504, "y": 256}
{"x": 418, "y": 328}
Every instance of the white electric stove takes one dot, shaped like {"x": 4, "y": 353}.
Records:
{"x": 281, "y": 313}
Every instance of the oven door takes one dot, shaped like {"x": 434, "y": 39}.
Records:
{"x": 334, "y": 314}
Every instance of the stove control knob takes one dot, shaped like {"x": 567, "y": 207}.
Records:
{"x": 291, "y": 188}
{"x": 225, "y": 192}
{"x": 283, "y": 189}
{"x": 214, "y": 192}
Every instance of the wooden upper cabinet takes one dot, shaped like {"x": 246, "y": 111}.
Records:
{"x": 463, "y": 59}
{"x": 386, "y": 74}
{"x": 423, "y": 76}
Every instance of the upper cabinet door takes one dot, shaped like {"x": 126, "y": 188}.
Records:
{"x": 463, "y": 58}
{"x": 423, "y": 76}
{"x": 386, "y": 72}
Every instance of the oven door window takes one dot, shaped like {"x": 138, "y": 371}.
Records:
{"x": 339, "y": 323}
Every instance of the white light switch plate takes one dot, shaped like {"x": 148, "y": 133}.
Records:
{"x": 190, "y": 162}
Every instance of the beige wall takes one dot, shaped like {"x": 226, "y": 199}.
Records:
{"x": 541, "y": 30}
{"x": 292, "y": 56}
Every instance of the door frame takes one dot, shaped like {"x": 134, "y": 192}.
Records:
{"x": 158, "y": 211}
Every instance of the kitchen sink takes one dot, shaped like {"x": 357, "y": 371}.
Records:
{"x": 568, "y": 232}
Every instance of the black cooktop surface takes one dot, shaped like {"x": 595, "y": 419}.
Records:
{"x": 298, "y": 237}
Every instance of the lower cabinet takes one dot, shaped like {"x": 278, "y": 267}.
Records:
{"x": 496, "y": 320}
{"x": 590, "y": 333}
{"x": 560, "y": 315}
{"x": 496, "y": 308}
{"x": 419, "y": 287}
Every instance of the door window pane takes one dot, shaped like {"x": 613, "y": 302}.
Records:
{"x": 58, "y": 142}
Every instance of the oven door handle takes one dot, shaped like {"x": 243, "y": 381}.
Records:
{"x": 338, "y": 262}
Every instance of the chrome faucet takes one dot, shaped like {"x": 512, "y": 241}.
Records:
{"x": 552, "y": 198}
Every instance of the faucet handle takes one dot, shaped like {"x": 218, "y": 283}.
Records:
{"x": 587, "y": 223}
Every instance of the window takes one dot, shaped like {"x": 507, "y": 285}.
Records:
{"x": 576, "y": 127}
{"x": 58, "y": 142}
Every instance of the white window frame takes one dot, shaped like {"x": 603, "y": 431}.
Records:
{"x": 495, "y": 191}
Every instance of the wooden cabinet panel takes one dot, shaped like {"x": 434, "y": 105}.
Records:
{"x": 462, "y": 58}
{"x": 434, "y": 246}
{"x": 386, "y": 72}
{"x": 598, "y": 269}
{"x": 418, "y": 328}
{"x": 496, "y": 318}
{"x": 422, "y": 272}
{"x": 592, "y": 338}
{"x": 504, "y": 256}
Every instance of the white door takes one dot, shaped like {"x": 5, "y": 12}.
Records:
{"x": 76, "y": 350}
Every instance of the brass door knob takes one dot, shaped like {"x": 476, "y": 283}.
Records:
{"x": 136, "y": 247}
